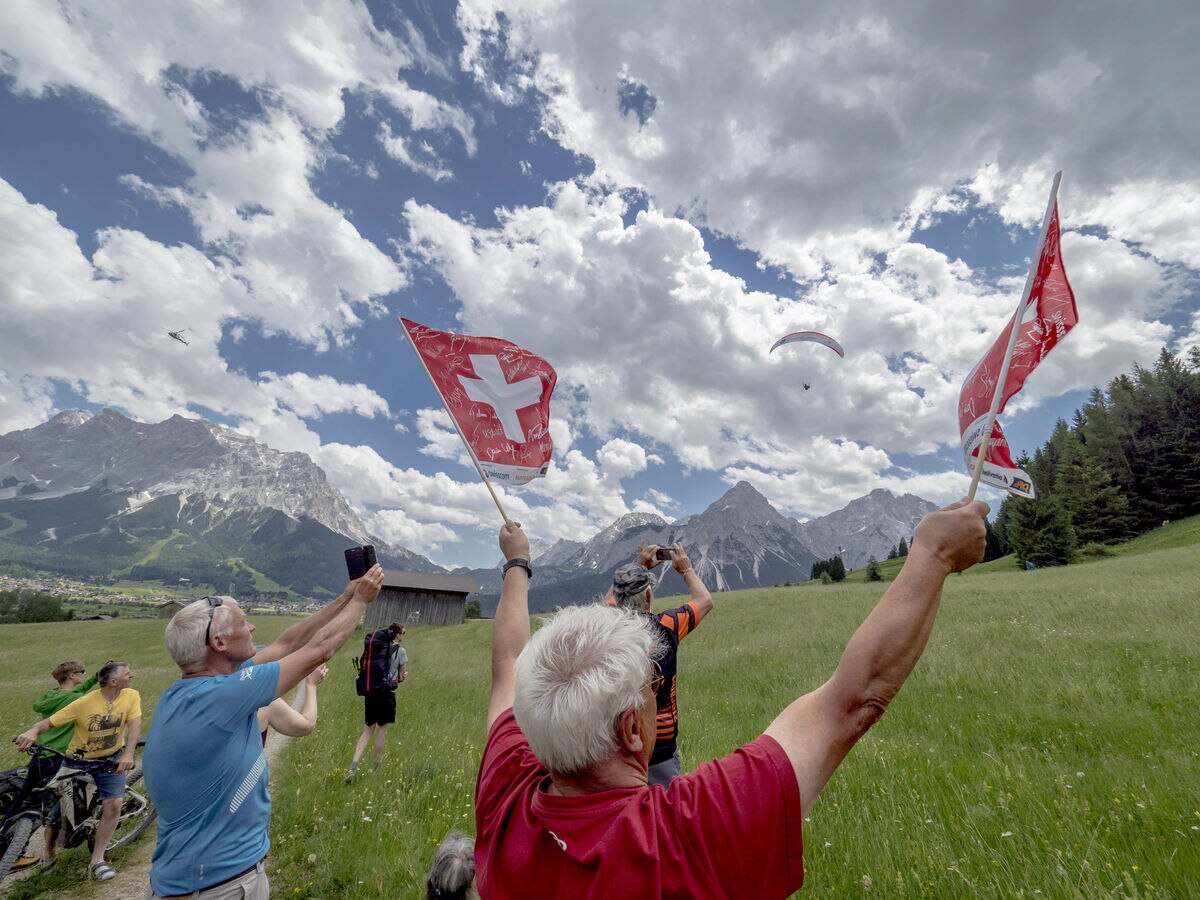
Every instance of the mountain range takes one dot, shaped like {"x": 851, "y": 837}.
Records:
{"x": 184, "y": 499}
{"x": 739, "y": 541}
{"x": 105, "y": 496}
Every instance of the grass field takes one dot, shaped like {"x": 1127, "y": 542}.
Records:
{"x": 1047, "y": 745}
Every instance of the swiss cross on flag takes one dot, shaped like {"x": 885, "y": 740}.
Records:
{"x": 497, "y": 393}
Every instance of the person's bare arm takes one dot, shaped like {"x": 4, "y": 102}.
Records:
{"x": 700, "y": 595}
{"x": 28, "y": 738}
{"x": 510, "y": 628}
{"x": 303, "y": 631}
{"x": 133, "y": 731}
{"x": 322, "y": 645}
{"x": 819, "y": 729}
{"x": 648, "y": 559}
{"x": 286, "y": 720}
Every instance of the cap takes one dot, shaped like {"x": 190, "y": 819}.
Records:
{"x": 632, "y": 579}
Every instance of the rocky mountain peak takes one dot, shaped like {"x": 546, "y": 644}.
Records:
{"x": 867, "y": 526}
{"x": 76, "y": 451}
{"x": 741, "y": 504}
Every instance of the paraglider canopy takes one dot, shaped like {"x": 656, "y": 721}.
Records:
{"x": 814, "y": 336}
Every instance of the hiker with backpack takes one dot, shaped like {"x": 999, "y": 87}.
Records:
{"x": 381, "y": 668}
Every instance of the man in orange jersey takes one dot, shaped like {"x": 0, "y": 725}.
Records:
{"x": 633, "y": 588}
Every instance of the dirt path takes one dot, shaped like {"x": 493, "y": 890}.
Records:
{"x": 133, "y": 869}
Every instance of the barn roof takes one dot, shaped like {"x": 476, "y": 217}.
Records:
{"x": 424, "y": 581}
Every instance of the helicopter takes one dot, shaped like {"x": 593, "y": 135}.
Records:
{"x": 178, "y": 335}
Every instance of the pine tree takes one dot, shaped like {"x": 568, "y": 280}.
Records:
{"x": 1040, "y": 531}
{"x": 873, "y": 570}
{"x": 902, "y": 550}
{"x": 994, "y": 547}
{"x": 837, "y": 569}
{"x": 892, "y": 554}
{"x": 1099, "y": 511}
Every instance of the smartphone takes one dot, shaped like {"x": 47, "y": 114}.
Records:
{"x": 663, "y": 554}
{"x": 359, "y": 560}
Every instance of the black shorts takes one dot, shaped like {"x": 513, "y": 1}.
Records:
{"x": 380, "y": 707}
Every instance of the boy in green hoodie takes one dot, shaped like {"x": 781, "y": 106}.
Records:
{"x": 71, "y": 686}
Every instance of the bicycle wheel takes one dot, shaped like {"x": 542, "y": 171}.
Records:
{"x": 137, "y": 812}
{"x": 17, "y": 838}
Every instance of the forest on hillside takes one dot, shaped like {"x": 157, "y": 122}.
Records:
{"x": 1128, "y": 462}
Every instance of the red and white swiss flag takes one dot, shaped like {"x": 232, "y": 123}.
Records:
{"x": 497, "y": 393}
{"x": 1045, "y": 319}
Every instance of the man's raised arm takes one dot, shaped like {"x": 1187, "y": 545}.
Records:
{"x": 510, "y": 628}
{"x": 818, "y": 730}
{"x": 648, "y": 559}
{"x": 321, "y": 646}
{"x": 303, "y": 631}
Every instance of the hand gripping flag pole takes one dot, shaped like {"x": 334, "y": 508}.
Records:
{"x": 1056, "y": 315}
{"x": 496, "y": 391}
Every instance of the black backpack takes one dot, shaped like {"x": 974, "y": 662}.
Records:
{"x": 374, "y": 664}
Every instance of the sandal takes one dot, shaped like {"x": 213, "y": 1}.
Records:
{"x": 102, "y": 872}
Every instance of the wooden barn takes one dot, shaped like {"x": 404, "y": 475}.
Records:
{"x": 418, "y": 598}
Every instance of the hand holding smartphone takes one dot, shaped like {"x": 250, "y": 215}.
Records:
{"x": 359, "y": 560}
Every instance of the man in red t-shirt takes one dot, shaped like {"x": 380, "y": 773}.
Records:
{"x": 562, "y": 807}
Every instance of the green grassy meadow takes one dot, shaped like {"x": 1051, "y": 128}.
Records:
{"x": 1047, "y": 745}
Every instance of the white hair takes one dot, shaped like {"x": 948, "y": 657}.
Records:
{"x": 576, "y": 677}
{"x": 185, "y": 632}
{"x": 453, "y": 874}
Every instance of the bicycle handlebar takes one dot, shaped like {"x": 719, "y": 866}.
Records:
{"x": 77, "y": 761}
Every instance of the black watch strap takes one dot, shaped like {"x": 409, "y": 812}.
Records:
{"x": 517, "y": 561}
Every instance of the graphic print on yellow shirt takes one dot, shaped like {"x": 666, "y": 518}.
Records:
{"x": 100, "y": 727}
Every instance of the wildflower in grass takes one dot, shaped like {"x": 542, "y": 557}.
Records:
{"x": 1006, "y": 834}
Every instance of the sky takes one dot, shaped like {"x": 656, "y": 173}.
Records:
{"x": 646, "y": 195}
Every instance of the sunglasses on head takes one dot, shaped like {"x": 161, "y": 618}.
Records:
{"x": 213, "y": 604}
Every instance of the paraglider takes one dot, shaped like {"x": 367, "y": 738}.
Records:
{"x": 178, "y": 335}
{"x": 813, "y": 336}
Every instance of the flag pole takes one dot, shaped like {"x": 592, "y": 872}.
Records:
{"x": 990, "y": 422}
{"x": 462, "y": 437}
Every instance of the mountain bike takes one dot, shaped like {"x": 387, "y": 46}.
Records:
{"x": 71, "y": 792}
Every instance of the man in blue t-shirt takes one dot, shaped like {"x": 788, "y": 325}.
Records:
{"x": 204, "y": 763}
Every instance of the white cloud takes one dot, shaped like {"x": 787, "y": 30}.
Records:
{"x": 793, "y": 123}
{"x": 312, "y": 397}
{"x": 620, "y": 458}
{"x": 309, "y": 273}
{"x": 100, "y": 326}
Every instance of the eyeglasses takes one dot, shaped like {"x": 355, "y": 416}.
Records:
{"x": 656, "y": 680}
{"x": 213, "y": 604}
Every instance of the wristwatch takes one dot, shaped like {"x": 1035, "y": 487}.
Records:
{"x": 516, "y": 561}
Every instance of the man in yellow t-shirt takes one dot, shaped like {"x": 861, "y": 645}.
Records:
{"x": 107, "y": 722}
